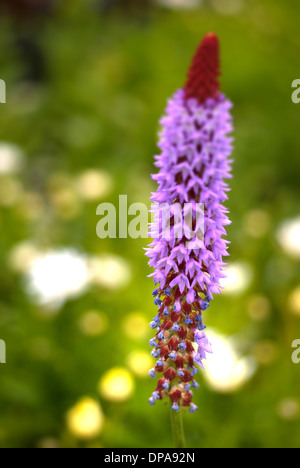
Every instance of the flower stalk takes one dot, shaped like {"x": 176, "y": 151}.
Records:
{"x": 177, "y": 429}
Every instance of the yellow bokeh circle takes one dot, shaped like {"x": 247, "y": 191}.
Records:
{"x": 85, "y": 420}
{"x": 117, "y": 384}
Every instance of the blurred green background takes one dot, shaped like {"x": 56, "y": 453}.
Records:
{"x": 86, "y": 85}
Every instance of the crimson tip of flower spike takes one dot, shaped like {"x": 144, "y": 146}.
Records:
{"x": 203, "y": 76}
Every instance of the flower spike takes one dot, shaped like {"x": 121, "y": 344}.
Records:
{"x": 187, "y": 251}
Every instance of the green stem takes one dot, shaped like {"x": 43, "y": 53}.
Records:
{"x": 177, "y": 429}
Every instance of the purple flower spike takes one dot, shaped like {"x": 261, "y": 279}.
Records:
{"x": 189, "y": 221}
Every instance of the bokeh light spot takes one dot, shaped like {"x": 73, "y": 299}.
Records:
{"x": 11, "y": 191}
{"x": 265, "y": 352}
{"x": 238, "y": 278}
{"x": 109, "y": 271}
{"x": 85, "y": 420}
{"x": 117, "y": 384}
{"x": 288, "y": 236}
{"x": 179, "y": 4}
{"x": 259, "y": 308}
{"x": 227, "y": 7}
{"x": 93, "y": 184}
{"x": 294, "y": 301}
{"x": 140, "y": 362}
{"x": 11, "y": 158}
{"x": 22, "y": 255}
{"x": 93, "y": 323}
{"x": 225, "y": 370}
{"x": 56, "y": 276}
{"x": 257, "y": 223}
{"x": 289, "y": 409}
{"x": 136, "y": 326}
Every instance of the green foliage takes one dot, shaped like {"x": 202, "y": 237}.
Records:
{"x": 104, "y": 87}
